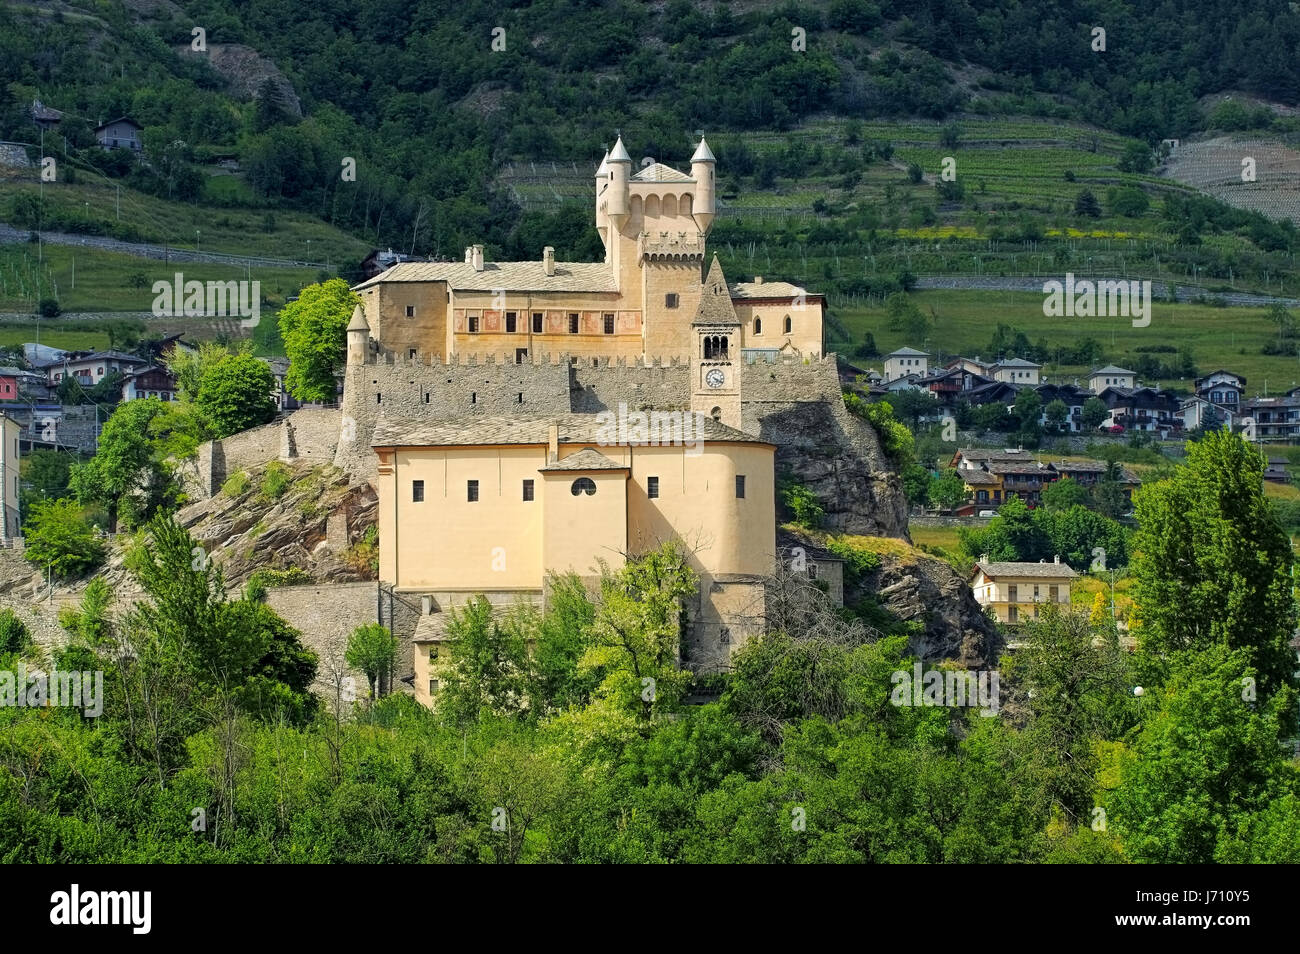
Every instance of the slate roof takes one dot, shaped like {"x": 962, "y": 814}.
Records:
{"x": 508, "y": 276}
{"x": 983, "y": 454}
{"x": 908, "y": 353}
{"x": 978, "y": 478}
{"x": 1110, "y": 369}
{"x": 658, "y": 172}
{"x": 585, "y": 459}
{"x": 574, "y": 429}
{"x": 769, "y": 290}
{"x": 715, "y": 300}
{"x": 1044, "y": 570}
{"x": 1017, "y": 363}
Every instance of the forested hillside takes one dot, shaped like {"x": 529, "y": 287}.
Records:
{"x": 425, "y": 99}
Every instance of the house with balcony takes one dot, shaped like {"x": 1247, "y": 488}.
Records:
{"x": 1222, "y": 389}
{"x": 89, "y": 368}
{"x": 1142, "y": 409}
{"x": 1072, "y": 396}
{"x": 1271, "y": 419}
{"x": 1018, "y": 592}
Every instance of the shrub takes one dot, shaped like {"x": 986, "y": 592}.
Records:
{"x": 49, "y": 308}
{"x": 363, "y": 556}
{"x": 803, "y": 505}
{"x": 235, "y": 484}
{"x": 14, "y": 637}
{"x": 276, "y": 481}
{"x": 858, "y": 560}
{"x": 59, "y": 538}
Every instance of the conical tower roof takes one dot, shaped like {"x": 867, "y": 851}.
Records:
{"x": 358, "y": 322}
{"x": 715, "y": 299}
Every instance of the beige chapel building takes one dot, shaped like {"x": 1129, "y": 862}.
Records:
{"x": 637, "y": 303}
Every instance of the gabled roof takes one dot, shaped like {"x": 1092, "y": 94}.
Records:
{"x": 908, "y": 353}
{"x": 120, "y": 119}
{"x": 770, "y": 290}
{"x": 1210, "y": 374}
{"x": 1110, "y": 369}
{"x": 574, "y": 429}
{"x": 1017, "y": 363}
{"x": 658, "y": 172}
{"x": 507, "y": 276}
{"x": 585, "y": 459}
{"x": 1053, "y": 571}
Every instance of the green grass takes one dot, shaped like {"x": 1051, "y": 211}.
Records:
{"x": 965, "y": 321}
{"x": 14, "y": 334}
{"x": 238, "y": 231}
{"x": 103, "y": 280}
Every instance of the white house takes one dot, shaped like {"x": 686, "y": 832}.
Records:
{"x": 1111, "y": 377}
{"x": 1221, "y": 388}
{"x": 1017, "y": 371}
{"x": 905, "y": 361}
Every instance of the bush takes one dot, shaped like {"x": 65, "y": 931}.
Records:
{"x": 235, "y": 484}
{"x": 803, "y": 505}
{"x": 276, "y": 481}
{"x": 858, "y": 560}
{"x": 14, "y": 637}
{"x": 363, "y": 556}
{"x": 58, "y": 538}
{"x": 49, "y": 308}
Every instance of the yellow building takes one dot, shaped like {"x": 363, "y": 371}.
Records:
{"x": 1016, "y": 592}
{"x": 493, "y": 504}
{"x": 654, "y": 224}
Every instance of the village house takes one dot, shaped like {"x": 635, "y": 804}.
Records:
{"x": 1271, "y": 419}
{"x": 149, "y": 382}
{"x": 120, "y": 133}
{"x": 1222, "y": 389}
{"x": 1111, "y": 376}
{"x": 1072, "y": 396}
{"x": 1017, "y": 371}
{"x": 905, "y": 363}
{"x": 1016, "y": 592}
{"x": 1142, "y": 409}
{"x": 90, "y": 368}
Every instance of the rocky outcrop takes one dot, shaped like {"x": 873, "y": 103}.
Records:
{"x": 916, "y": 587}
{"x": 839, "y": 458}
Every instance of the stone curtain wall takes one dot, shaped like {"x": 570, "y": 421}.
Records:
{"x": 309, "y": 433}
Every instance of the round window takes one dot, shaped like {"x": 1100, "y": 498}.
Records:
{"x": 583, "y": 485}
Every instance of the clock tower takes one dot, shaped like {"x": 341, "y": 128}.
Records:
{"x": 715, "y": 361}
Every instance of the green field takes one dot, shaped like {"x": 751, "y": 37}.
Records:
{"x": 963, "y": 323}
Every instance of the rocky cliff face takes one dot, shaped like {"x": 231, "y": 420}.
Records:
{"x": 839, "y": 458}
{"x": 916, "y": 587}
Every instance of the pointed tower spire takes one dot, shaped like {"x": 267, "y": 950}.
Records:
{"x": 715, "y": 299}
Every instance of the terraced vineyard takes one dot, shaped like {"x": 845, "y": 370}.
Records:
{"x": 1215, "y": 166}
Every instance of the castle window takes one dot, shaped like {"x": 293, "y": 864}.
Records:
{"x": 788, "y": 324}
{"x": 652, "y": 487}
{"x": 433, "y": 654}
{"x": 671, "y": 300}
{"x": 471, "y": 490}
{"x": 528, "y": 490}
{"x": 433, "y": 686}
{"x": 520, "y": 355}
{"x": 724, "y": 635}
{"x": 417, "y": 491}
{"x": 473, "y": 397}
{"x": 473, "y": 324}
{"x": 609, "y": 323}
{"x": 583, "y": 485}
{"x": 379, "y": 397}
{"x": 410, "y": 311}
{"x": 758, "y": 326}
{"x": 519, "y": 397}
{"x": 812, "y": 571}
{"x": 426, "y": 397}
{"x": 537, "y": 322}
{"x": 740, "y": 486}
{"x": 412, "y": 353}
{"x": 573, "y": 322}
{"x": 716, "y": 414}
{"x": 511, "y": 322}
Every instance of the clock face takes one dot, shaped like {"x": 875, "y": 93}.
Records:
{"x": 715, "y": 378}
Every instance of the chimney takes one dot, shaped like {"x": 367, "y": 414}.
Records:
{"x": 477, "y": 257}
{"x": 984, "y": 558}
{"x": 553, "y": 442}
{"x": 1058, "y": 559}
{"x": 469, "y": 254}
{"x": 548, "y": 261}
{"x": 758, "y": 279}
{"x": 426, "y": 605}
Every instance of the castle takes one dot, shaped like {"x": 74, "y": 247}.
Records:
{"x": 523, "y": 418}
